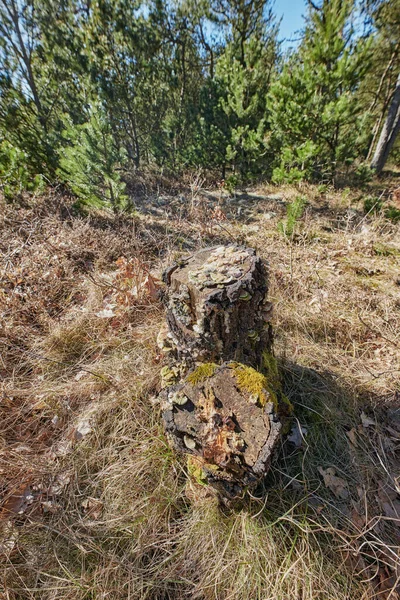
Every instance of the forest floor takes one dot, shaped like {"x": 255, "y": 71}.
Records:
{"x": 93, "y": 502}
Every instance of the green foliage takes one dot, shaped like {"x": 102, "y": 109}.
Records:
{"x": 243, "y": 101}
{"x": 372, "y": 205}
{"x": 316, "y": 124}
{"x": 90, "y": 163}
{"x": 294, "y": 212}
{"x": 393, "y": 214}
{"x": 296, "y": 164}
{"x": 178, "y": 95}
{"x": 15, "y": 176}
{"x": 231, "y": 183}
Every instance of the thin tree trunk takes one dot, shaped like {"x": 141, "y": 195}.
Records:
{"x": 389, "y": 132}
{"x": 24, "y": 55}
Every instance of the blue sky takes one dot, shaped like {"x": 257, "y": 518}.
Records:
{"x": 292, "y": 12}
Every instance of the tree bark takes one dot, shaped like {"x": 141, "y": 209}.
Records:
{"x": 216, "y": 307}
{"x": 222, "y": 401}
{"x": 389, "y": 132}
{"x": 228, "y": 429}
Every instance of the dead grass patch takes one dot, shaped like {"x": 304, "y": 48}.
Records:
{"x": 93, "y": 498}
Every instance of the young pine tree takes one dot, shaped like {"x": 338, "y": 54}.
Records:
{"x": 243, "y": 73}
{"x": 90, "y": 163}
{"x": 315, "y": 117}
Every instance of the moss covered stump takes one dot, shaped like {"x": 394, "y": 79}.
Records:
{"x": 226, "y": 418}
{"x": 217, "y": 308}
{"x": 222, "y": 403}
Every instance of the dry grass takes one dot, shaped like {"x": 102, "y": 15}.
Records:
{"x": 93, "y": 498}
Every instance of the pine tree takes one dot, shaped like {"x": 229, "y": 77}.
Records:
{"x": 90, "y": 163}
{"x": 316, "y": 121}
{"x": 243, "y": 74}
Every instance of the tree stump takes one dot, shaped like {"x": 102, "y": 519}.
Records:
{"x": 222, "y": 402}
{"x": 216, "y": 307}
{"x": 226, "y": 418}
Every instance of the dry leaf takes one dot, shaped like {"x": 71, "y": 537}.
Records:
{"x": 297, "y": 434}
{"x": 352, "y": 436}
{"x": 366, "y": 421}
{"x": 62, "y": 480}
{"x": 8, "y": 538}
{"x": 336, "y": 484}
{"x": 17, "y": 502}
{"x": 93, "y": 507}
{"x": 83, "y": 428}
{"x": 357, "y": 519}
{"x": 106, "y": 313}
{"x": 388, "y": 502}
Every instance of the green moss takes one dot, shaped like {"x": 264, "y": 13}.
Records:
{"x": 270, "y": 368}
{"x": 255, "y": 383}
{"x": 195, "y": 471}
{"x": 201, "y": 373}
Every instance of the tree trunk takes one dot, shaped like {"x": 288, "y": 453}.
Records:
{"x": 389, "y": 132}
{"x": 226, "y": 419}
{"x": 216, "y": 307}
{"x": 222, "y": 401}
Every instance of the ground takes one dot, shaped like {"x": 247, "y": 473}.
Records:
{"x": 93, "y": 501}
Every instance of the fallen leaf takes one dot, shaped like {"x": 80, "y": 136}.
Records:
{"x": 106, "y": 313}
{"x": 93, "y": 507}
{"x": 390, "y": 505}
{"x": 393, "y": 432}
{"x": 83, "y": 428}
{"x": 357, "y": 519}
{"x": 62, "y": 480}
{"x": 336, "y": 484}
{"x": 352, "y": 436}
{"x": 366, "y": 421}
{"x": 49, "y": 506}
{"x": 80, "y": 374}
{"x": 8, "y": 539}
{"x": 297, "y": 434}
{"x": 17, "y": 502}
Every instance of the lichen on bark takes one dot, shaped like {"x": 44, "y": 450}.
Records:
{"x": 225, "y": 411}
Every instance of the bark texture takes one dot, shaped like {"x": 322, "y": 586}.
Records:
{"x": 226, "y": 419}
{"x": 389, "y": 132}
{"x": 216, "y": 307}
{"x": 222, "y": 402}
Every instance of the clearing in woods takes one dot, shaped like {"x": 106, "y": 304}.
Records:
{"x": 93, "y": 498}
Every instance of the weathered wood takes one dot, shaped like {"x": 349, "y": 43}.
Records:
{"x": 216, "y": 307}
{"x": 222, "y": 402}
{"x": 226, "y": 418}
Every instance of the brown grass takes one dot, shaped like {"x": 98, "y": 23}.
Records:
{"x": 93, "y": 498}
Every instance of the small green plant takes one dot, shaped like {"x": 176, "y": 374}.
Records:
{"x": 296, "y": 164}
{"x": 90, "y": 163}
{"x": 372, "y": 204}
{"x": 363, "y": 174}
{"x": 375, "y": 206}
{"x": 231, "y": 184}
{"x": 393, "y": 214}
{"x": 294, "y": 212}
{"x": 15, "y": 176}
